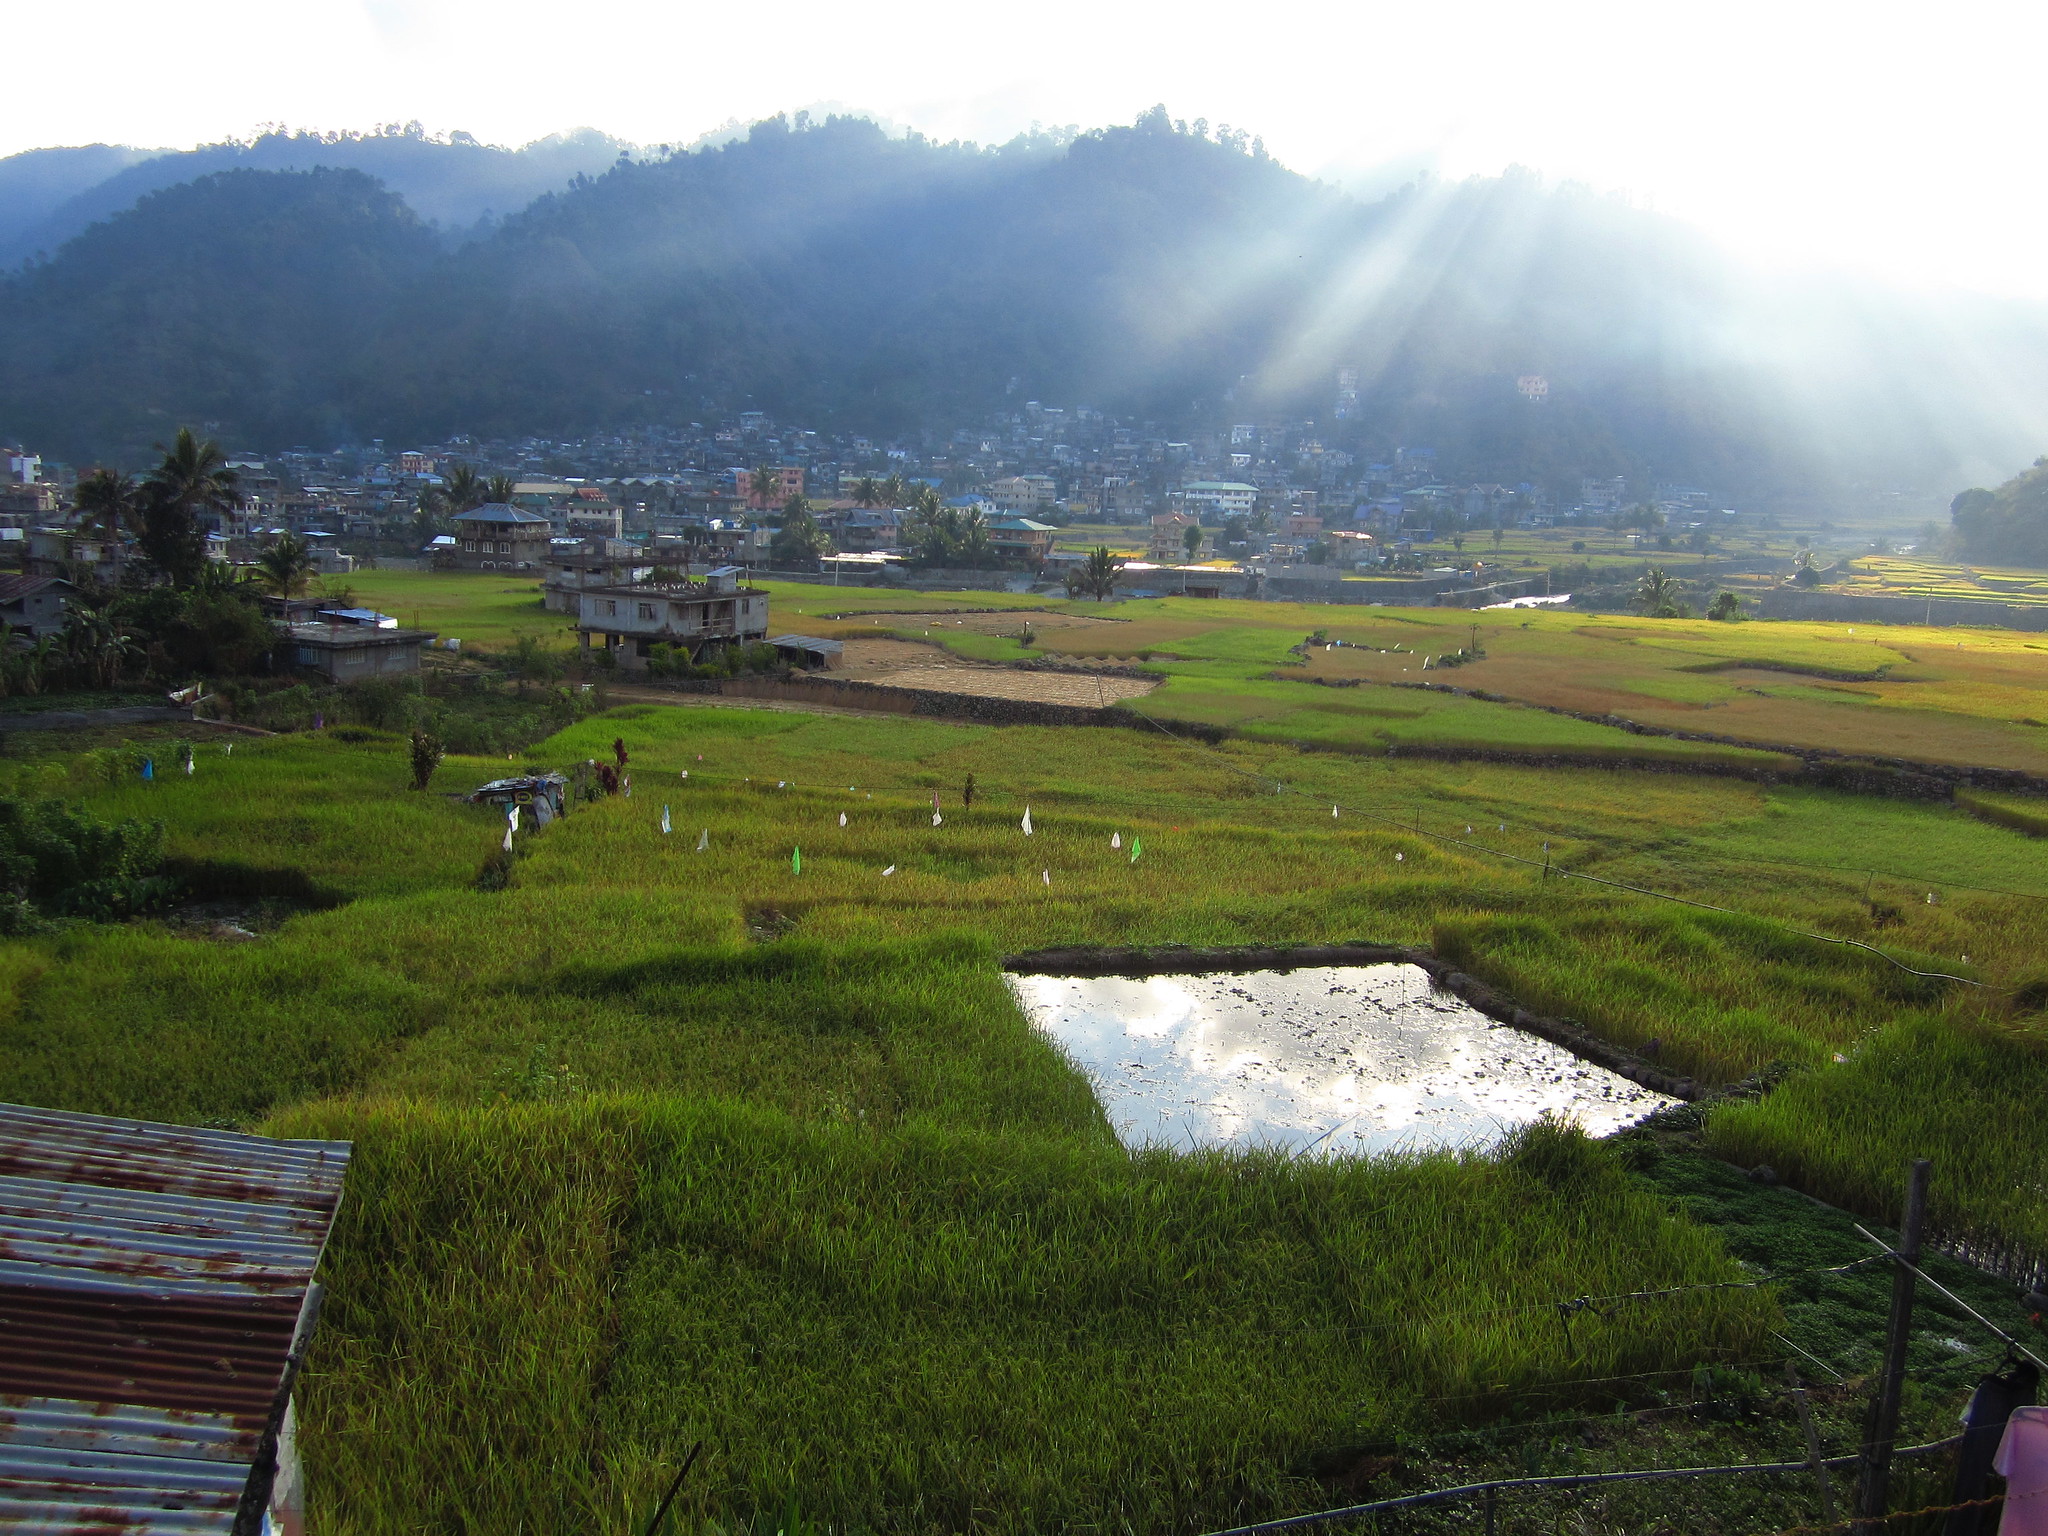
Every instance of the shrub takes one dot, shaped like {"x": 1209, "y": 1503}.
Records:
{"x": 426, "y": 757}
{"x": 66, "y": 863}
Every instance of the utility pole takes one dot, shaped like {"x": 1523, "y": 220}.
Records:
{"x": 1873, "y": 1484}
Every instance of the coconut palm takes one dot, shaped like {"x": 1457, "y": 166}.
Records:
{"x": 106, "y": 502}
{"x": 192, "y": 482}
{"x": 1657, "y": 594}
{"x": 286, "y": 566}
{"x": 866, "y": 492}
{"x": 762, "y": 484}
{"x": 462, "y": 490}
{"x": 499, "y": 488}
{"x": 195, "y": 476}
{"x": 893, "y": 491}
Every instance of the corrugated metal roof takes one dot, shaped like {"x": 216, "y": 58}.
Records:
{"x": 153, "y": 1279}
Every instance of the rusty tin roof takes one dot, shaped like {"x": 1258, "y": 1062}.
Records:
{"x": 152, "y": 1281}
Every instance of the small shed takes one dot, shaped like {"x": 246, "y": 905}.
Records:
{"x": 156, "y": 1301}
{"x": 33, "y": 605}
{"x": 544, "y": 793}
{"x": 348, "y": 652}
{"x": 809, "y": 652}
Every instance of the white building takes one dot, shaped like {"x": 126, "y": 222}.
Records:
{"x": 1220, "y": 498}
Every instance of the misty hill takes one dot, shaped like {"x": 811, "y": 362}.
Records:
{"x": 49, "y": 195}
{"x": 2008, "y": 526}
{"x": 844, "y": 277}
{"x": 235, "y": 299}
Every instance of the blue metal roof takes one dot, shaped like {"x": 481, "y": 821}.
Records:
{"x": 498, "y": 512}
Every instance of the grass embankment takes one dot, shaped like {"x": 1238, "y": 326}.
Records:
{"x": 627, "y": 1177}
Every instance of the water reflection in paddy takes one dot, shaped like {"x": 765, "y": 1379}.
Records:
{"x": 1337, "y": 1058}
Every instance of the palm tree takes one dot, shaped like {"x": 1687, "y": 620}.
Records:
{"x": 35, "y": 664}
{"x": 105, "y": 502}
{"x": 1097, "y": 577}
{"x": 762, "y": 484}
{"x": 286, "y": 566}
{"x": 499, "y": 488}
{"x": 193, "y": 481}
{"x": 1657, "y": 594}
{"x": 866, "y": 492}
{"x": 195, "y": 476}
{"x": 893, "y": 491}
{"x": 462, "y": 490}
{"x": 93, "y": 641}
{"x": 969, "y": 528}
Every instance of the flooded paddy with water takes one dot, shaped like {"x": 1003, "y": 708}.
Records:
{"x": 1326, "y": 1059}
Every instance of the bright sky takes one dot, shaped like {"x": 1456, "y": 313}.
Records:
{"x": 1896, "y": 139}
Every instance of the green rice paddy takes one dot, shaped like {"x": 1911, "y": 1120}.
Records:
{"x": 660, "y": 1145}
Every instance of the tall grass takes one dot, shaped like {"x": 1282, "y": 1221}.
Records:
{"x": 537, "y": 1308}
{"x": 657, "y": 1144}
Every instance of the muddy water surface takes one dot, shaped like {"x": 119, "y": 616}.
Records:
{"x": 1334, "y": 1059}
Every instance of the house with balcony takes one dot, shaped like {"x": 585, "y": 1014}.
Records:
{"x": 498, "y": 536}
{"x": 690, "y": 616}
{"x": 1020, "y": 541}
{"x": 575, "y": 566}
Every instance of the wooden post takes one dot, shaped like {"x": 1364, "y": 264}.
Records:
{"x": 1492, "y": 1502}
{"x": 1813, "y": 1456}
{"x": 1873, "y": 1487}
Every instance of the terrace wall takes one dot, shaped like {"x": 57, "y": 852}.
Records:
{"x": 1792, "y": 603}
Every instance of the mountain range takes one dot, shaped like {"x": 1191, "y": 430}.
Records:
{"x": 306, "y": 290}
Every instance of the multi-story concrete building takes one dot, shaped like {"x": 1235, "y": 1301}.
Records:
{"x": 1220, "y": 498}
{"x": 500, "y": 537}
{"x": 690, "y": 616}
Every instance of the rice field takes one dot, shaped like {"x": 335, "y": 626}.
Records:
{"x": 750, "y": 1144}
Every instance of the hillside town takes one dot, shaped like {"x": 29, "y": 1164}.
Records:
{"x": 1226, "y": 513}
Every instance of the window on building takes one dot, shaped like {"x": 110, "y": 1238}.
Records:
{"x": 647, "y": 611}
{"x": 504, "y": 549}
{"x": 611, "y": 610}
{"x": 469, "y": 546}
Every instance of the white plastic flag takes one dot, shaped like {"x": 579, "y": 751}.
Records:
{"x": 889, "y": 871}
{"x": 937, "y": 819}
{"x": 1027, "y": 821}
{"x": 703, "y": 839}
{"x": 1046, "y": 876}
{"x": 842, "y": 818}
{"x": 664, "y": 821}
{"x": 782, "y": 783}
{"x": 1116, "y": 839}
{"x": 512, "y": 815}
{"x": 231, "y": 749}
{"x": 686, "y": 773}
{"x": 1400, "y": 857}
{"x": 508, "y": 839}
{"x": 188, "y": 767}
{"x": 1333, "y": 813}
{"x": 1468, "y": 829}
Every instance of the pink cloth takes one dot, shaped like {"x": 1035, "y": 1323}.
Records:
{"x": 2022, "y": 1460}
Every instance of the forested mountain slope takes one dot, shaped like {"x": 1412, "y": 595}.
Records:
{"x": 845, "y": 277}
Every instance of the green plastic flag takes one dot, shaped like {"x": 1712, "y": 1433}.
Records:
{"x": 796, "y": 861}
{"x": 1136, "y": 849}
